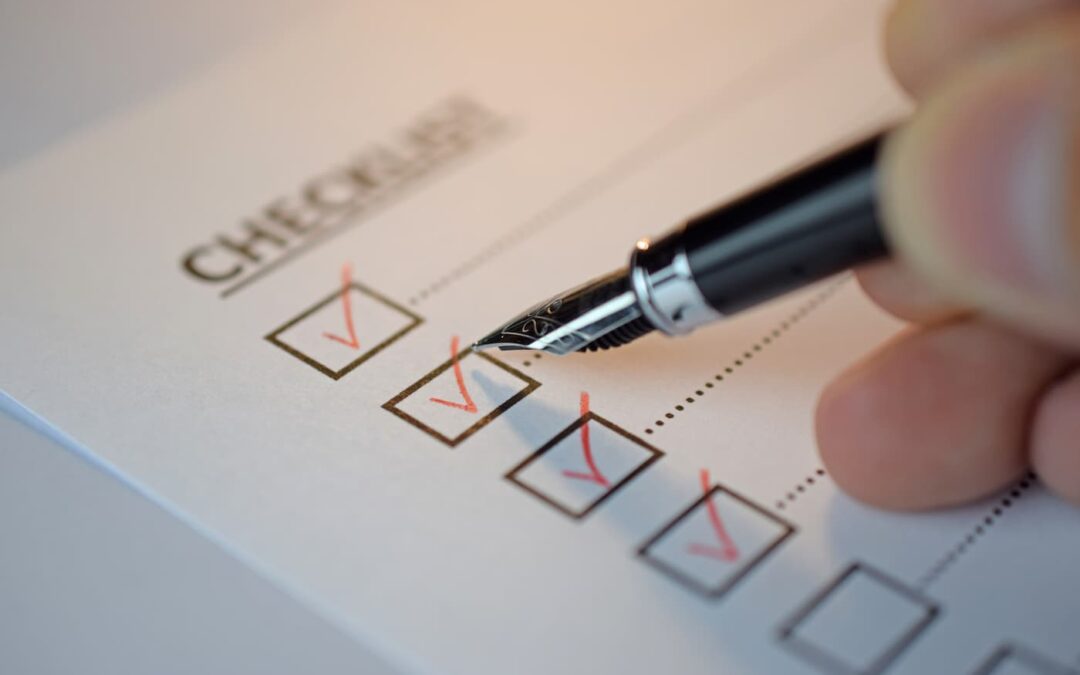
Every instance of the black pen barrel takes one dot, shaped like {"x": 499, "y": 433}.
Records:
{"x": 814, "y": 223}
{"x": 808, "y": 225}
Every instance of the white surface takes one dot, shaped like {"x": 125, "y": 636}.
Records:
{"x": 65, "y": 64}
{"x": 95, "y": 579}
{"x": 428, "y": 554}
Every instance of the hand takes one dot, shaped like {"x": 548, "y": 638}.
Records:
{"x": 982, "y": 204}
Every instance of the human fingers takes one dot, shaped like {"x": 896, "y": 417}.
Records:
{"x": 981, "y": 189}
{"x": 900, "y": 292}
{"x": 1055, "y": 438}
{"x": 924, "y": 39}
{"x": 939, "y": 416}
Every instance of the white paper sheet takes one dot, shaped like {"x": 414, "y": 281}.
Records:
{"x": 244, "y": 298}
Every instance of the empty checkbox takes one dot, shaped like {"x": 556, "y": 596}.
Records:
{"x": 860, "y": 623}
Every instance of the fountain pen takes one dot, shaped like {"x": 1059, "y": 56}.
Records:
{"x": 814, "y": 222}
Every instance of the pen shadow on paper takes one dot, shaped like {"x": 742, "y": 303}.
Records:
{"x": 638, "y": 511}
{"x": 537, "y": 423}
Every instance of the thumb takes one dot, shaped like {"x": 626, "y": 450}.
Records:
{"x": 981, "y": 190}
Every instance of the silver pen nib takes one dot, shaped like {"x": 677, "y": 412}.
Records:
{"x": 601, "y": 314}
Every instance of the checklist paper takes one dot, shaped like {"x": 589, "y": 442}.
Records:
{"x": 251, "y": 299}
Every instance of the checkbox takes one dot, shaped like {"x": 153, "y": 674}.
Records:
{"x": 584, "y": 464}
{"x": 1012, "y": 659}
{"x": 860, "y": 623}
{"x": 716, "y": 541}
{"x": 461, "y": 396}
{"x": 344, "y": 329}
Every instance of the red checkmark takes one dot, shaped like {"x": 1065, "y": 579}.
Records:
{"x": 467, "y": 405}
{"x": 726, "y": 551}
{"x": 594, "y": 474}
{"x": 346, "y": 305}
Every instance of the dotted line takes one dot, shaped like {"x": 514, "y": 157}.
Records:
{"x": 534, "y": 357}
{"x": 682, "y": 129}
{"x": 504, "y": 242}
{"x": 975, "y": 534}
{"x": 748, "y": 355}
{"x": 676, "y": 133}
{"x": 800, "y": 488}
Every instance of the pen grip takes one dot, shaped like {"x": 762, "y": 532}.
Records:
{"x": 807, "y": 226}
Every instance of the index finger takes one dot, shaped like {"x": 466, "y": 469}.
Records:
{"x": 925, "y": 38}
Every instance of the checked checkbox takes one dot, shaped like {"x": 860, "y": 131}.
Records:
{"x": 344, "y": 329}
{"x": 716, "y": 541}
{"x": 859, "y": 623}
{"x": 585, "y": 464}
{"x": 461, "y": 396}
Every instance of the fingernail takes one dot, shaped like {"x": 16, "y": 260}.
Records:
{"x": 982, "y": 188}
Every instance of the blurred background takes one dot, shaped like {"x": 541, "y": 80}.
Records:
{"x": 93, "y": 577}
{"x": 65, "y": 64}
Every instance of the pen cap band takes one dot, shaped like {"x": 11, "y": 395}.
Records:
{"x": 664, "y": 284}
